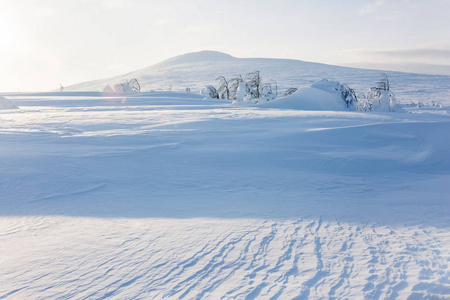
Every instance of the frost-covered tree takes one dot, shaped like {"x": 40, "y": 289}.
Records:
{"x": 254, "y": 84}
{"x": 383, "y": 83}
{"x": 241, "y": 91}
{"x": 269, "y": 90}
{"x": 237, "y": 89}
{"x": 363, "y": 103}
{"x": 273, "y": 89}
{"x": 233, "y": 86}
{"x": 349, "y": 96}
{"x": 380, "y": 97}
{"x": 130, "y": 86}
{"x": 210, "y": 92}
{"x": 223, "y": 90}
{"x": 134, "y": 85}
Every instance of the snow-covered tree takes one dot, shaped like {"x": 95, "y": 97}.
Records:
{"x": 233, "y": 86}
{"x": 210, "y": 92}
{"x": 363, "y": 103}
{"x": 254, "y": 84}
{"x": 380, "y": 97}
{"x": 349, "y": 96}
{"x": 223, "y": 89}
{"x": 274, "y": 87}
{"x": 241, "y": 91}
{"x": 269, "y": 91}
{"x": 237, "y": 89}
{"x": 134, "y": 85}
{"x": 383, "y": 83}
{"x": 130, "y": 86}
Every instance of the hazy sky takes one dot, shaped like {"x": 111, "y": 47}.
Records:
{"x": 45, "y": 42}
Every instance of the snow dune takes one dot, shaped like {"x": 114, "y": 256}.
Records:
{"x": 166, "y": 195}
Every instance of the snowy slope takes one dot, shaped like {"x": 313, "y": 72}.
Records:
{"x": 166, "y": 195}
{"x": 6, "y": 103}
{"x": 196, "y": 70}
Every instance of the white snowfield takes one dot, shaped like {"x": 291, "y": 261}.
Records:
{"x": 170, "y": 196}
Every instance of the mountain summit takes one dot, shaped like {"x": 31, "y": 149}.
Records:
{"x": 201, "y": 56}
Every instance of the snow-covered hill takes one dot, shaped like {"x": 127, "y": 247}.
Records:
{"x": 196, "y": 70}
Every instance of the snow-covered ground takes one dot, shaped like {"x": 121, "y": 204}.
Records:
{"x": 168, "y": 195}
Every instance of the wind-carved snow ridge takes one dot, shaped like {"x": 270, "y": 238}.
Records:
{"x": 241, "y": 259}
{"x": 168, "y": 195}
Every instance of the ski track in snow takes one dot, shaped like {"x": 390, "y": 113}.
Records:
{"x": 171, "y": 196}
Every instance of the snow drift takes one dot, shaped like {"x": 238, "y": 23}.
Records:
{"x": 7, "y": 103}
{"x": 321, "y": 95}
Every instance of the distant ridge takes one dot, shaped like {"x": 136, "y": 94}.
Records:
{"x": 197, "y": 69}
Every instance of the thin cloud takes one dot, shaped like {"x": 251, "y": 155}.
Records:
{"x": 435, "y": 56}
{"x": 422, "y": 60}
{"x": 443, "y": 54}
{"x": 403, "y": 67}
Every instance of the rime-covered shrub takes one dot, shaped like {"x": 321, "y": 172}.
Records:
{"x": 380, "y": 97}
{"x": 130, "y": 86}
{"x": 210, "y": 92}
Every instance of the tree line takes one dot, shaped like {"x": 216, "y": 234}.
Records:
{"x": 252, "y": 88}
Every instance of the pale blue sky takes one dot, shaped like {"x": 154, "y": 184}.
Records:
{"x": 43, "y": 43}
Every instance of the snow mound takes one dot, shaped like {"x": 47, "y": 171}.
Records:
{"x": 7, "y": 103}
{"x": 321, "y": 95}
